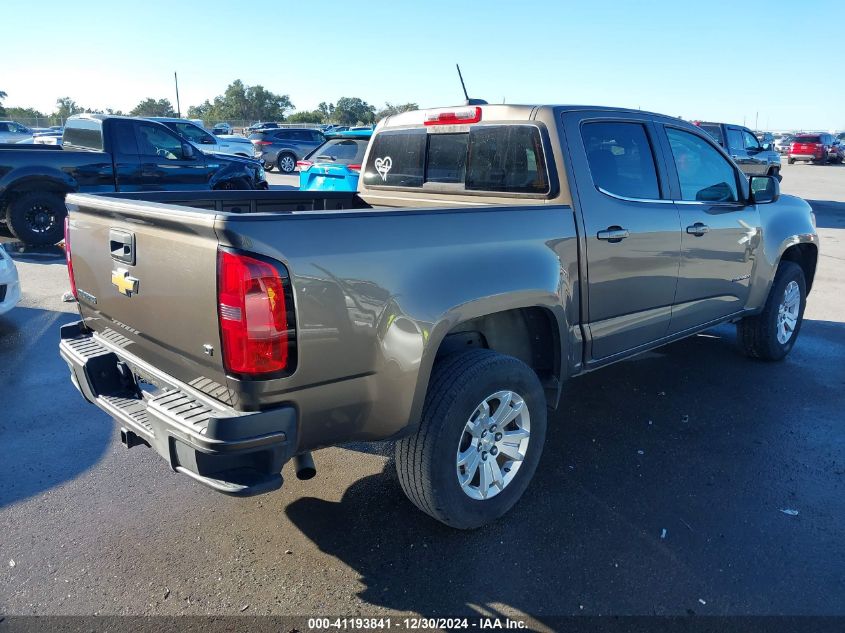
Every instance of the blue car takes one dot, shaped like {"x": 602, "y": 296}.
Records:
{"x": 336, "y": 164}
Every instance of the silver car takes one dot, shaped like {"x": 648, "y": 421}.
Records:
{"x": 207, "y": 142}
{"x": 11, "y": 132}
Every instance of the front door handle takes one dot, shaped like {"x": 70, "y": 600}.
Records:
{"x": 698, "y": 229}
{"x": 613, "y": 234}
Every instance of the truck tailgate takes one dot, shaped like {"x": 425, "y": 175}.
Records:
{"x": 146, "y": 281}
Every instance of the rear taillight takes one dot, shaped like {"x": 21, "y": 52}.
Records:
{"x": 453, "y": 117}
{"x": 255, "y": 306}
{"x": 262, "y": 143}
{"x": 355, "y": 168}
{"x": 303, "y": 165}
{"x": 68, "y": 258}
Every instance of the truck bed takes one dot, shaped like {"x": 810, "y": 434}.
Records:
{"x": 369, "y": 287}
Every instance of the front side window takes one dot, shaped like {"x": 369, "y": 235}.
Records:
{"x": 155, "y": 141}
{"x": 704, "y": 174}
{"x": 750, "y": 140}
{"x": 195, "y": 134}
{"x": 621, "y": 160}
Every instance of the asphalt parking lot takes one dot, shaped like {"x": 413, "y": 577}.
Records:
{"x": 662, "y": 490}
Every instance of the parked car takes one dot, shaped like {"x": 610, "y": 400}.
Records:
{"x": 221, "y": 129}
{"x": 107, "y": 153}
{"x": 11, "y": 132}
{"x": 255, "y": 127}
{"x": 837, "y": 152}
{"x": 811, "y": 148}
{"x": 333, "y": 129}
{"x": 10, "y": 289}
{"x": 336, "y": 164}
{"x": 753, "y": 157}
{"x": 50, "y": 137}
{"x": 783, "y": 142}
{"x": 493, "y": 253}
{"x": 208, "y": 143}
{"x": 282, "y": 147}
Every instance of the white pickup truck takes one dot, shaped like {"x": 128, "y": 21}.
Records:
{"x": 207, "y": 142}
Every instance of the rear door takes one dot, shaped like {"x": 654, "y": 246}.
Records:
{"x": 164, "y": 166}
{"x": 632, "y": 230}
{"x": 721, "y": 231}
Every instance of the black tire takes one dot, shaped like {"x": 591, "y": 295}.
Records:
{"x": 758, "y": 334}
{"x": 268, "y": 166}
{"x": 790, "y": 160}
{"x": 426, "y": 461}
{"x": 286, "y": 163}
{"x": 775, "y": 172}
{"x": 37, "y": 217}
{"x": 237, "y": 184}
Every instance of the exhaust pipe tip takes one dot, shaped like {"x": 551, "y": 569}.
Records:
{"x": 304, "y": 465}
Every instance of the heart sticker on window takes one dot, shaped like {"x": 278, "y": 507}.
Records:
{"x": 383, "y": 166}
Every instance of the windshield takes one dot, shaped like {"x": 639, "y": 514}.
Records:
{"x": 343, "y": 151}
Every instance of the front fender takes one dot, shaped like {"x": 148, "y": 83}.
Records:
{"x": 784, "y": 223}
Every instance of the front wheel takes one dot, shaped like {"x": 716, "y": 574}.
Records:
{"x": 771, "y": 334}
{"x": 37, "y": 217}
{"x": 479, "y": 440}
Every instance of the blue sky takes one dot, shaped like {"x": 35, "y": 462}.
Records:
{"x": 716, "y": 60}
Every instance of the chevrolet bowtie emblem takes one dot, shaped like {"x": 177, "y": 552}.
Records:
{"x": 125, "y": 284}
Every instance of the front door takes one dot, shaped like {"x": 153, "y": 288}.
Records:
{"x": 721, "y": 231}
{"x": 631, "y": 230}
{"x": 164, "y": 164}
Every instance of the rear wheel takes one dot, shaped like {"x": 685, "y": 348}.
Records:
{"x": 37, "y": 217}
{"x": 238, "y": 184}
{"x": 286, "y": 163}
{"x": 790, "y": 160}
{"x": 479, "y": 440}
{"x": 775, "y": 173}
{"x": 771, "y": 334}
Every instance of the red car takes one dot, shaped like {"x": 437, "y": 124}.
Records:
{"x": 817, "y": 148}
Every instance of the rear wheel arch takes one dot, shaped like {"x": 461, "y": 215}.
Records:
{"x": 536, "y": 337}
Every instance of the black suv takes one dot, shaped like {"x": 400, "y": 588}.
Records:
{"x": 282, "y": 147}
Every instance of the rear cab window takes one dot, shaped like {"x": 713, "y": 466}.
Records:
{"x": 507, "y": 158}
{"x": 84, "y": 134}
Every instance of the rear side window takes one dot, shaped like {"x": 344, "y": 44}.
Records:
{"x": 84, "y": 133}
{"x": 621, "y": 159}
{"x": 123, "y": 133}
{"x": 808, "y": 139}
{"x": 500, "y": 158}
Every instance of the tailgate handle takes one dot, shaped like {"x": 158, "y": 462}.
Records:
{"x": 122, "y": 246}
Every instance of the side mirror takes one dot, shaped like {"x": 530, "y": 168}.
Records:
{"x": 188, "y": 152}
{"x": 767, "y": 147}
{"x": 764, "y": 189}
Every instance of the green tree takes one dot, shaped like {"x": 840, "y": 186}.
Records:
{"x": 352, "y": 110}
{"x": 326, "y": 109}
{"x": 65, "y": 107}
{"x": 153, "y": 107}
{"x": 312, "y": 116}
{"x": 390, "y": 109}
{"x": 241, "y": 102}
{"x": 3, "y": 95}
{"x": 24, "y": 114}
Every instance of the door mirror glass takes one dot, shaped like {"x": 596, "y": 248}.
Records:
{"x": 764, "y": 189}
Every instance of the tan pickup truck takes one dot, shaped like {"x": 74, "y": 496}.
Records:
{"x": 492, "y": 253}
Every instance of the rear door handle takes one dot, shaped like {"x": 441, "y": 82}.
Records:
{"x": 613, "y": 234}
{"x": 698, "y": 229}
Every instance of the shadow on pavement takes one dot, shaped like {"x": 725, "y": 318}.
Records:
{"x": 693, "y": 439}
{"x": 48, "y": 433}
{"x": 829, "y": 214}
